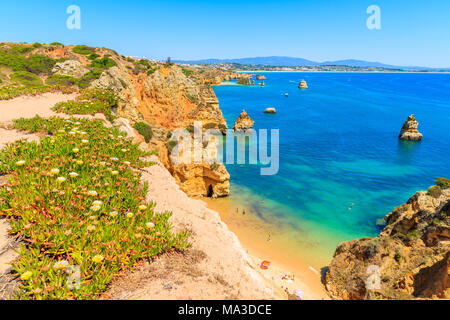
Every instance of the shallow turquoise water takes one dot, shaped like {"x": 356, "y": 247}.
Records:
{"x": 339, "y": 145}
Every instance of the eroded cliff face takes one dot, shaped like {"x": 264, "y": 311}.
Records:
{"x": 409, "y": 259}
{"x": 165, "y": 96}
{"x": 169, "y": 100}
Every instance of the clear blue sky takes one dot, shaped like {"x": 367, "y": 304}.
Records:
{"x": 414, "y": 32}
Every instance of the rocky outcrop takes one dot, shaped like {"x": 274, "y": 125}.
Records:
{"x": 262, "y": 84}
{"x": 243, "y": 122}
{"x": 409, "y": 259}
{"x": 71, "y": 68}
{"x": 260, "y": 77}
{"x": 270, "y": 110}
{"x": 303, "y": 85}
{"x": 409, "y": 130}
{"x": 244, "y": 78}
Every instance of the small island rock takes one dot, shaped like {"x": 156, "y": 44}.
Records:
{"x": 409, "y": 130}
{"x": 260, "y": 77}
{"x": 303, "y": 85}
{"x": 270, "y": 110}
{"x": 243, "y": 122}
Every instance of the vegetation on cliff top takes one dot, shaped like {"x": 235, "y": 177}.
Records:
{"x": 90, "y": 101}
{"x": 76, "y": 200}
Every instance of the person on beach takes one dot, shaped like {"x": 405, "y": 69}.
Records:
{"x": 243, "y": 212}
{"x": 269, "y": 238}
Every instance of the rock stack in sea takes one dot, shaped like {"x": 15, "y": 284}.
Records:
{"x": 260, "y": 77}
{"x": 270, "y": 110}
{"x": 303, "y": 85}
{"x": 244, "y": 78}
{"x": 243, "y": 122}
{"x": 409, "y": 130}
{"x": 262, "y": 84}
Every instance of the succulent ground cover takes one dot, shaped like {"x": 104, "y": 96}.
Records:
{"x": 76, "y": 200}
{"x": 90, "y": 101}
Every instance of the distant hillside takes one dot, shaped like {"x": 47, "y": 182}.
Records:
{"x": 291, "y": 62}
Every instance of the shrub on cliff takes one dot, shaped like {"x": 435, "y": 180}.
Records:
{"x": 187, "y": 72}
{"x": 39, "y": 64}
{"x": 103, "y": 63}
{"x": 443, "y": 183}
{"x": 76, "y": 200}
{"x": 85, "y": 81}
{"x": 26, "y": 78}
{"x": 84, "y": 50}
{"x": 60, "y": 80}
{"x": 145, "y": 130}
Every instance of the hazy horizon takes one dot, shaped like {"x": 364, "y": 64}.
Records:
{"x": 411, "y": 33}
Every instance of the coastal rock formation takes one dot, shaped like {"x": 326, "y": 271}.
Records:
{"x": 303, "y": 85}
{"x": 270, "y": 110}
{"x": 244, "y": 78}
{"x": 71, "y": 68}
{"x": 409, "y": 259}
{"x": 260, "y": 77}
{"x": 409, "y": 130}
{"x": 243, "y": 122}
{"x": 262, "y": 84}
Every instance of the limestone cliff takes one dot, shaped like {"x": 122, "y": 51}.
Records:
{"x": 164, "y": 95}
{"x": 409, "y": 130}
{"x": 409, "y": 259}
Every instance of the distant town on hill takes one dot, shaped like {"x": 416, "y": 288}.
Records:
{"x": 277, "y": 63}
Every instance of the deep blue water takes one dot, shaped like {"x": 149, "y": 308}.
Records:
{"x": 339, "y": 145}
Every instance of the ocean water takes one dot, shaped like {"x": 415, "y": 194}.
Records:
{"x": 339, "y": 146}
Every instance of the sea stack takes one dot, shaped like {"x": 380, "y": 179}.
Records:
{"x": 243, "y": 122}
{"x": 303, "y": 85}
{"x": 262, "y": 84}
{"x": 270, "y": 110}
{"x": 409, "y": 130}
{"x": 244, "y": 78}
{"x": 260, "y": 77}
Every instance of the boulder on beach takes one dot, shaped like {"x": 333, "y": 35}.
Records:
{"x": 409, "y": 130}
{"x": 243, "y": 122}
{"x": 303, "y": 85}
{"x": 270, "y": 110}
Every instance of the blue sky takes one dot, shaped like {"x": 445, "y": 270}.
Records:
{"x": 414, "y": 32}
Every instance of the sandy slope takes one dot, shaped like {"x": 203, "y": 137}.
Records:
{"x": 29, "y": 106}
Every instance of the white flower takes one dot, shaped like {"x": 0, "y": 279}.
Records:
{"x": 20, "y": 163}
{"x": 54, "y": 171}
{"x": 130, "y": 215}
{"x": 150, "y": 225}
{"x": 113, "y": 213}
{"x": 92, "y": 193}
{"x": 85, "y": 141}
{"x": 114, "y": 159}
{"x": 97, "y": 203}
{"x": 95, "y": 208}
{"x": 124, "y": 150}
{"x": 73, "y": 174}
{"x": 127, "y": 163}
{"x": 75, "y": 150}
{"x": 114, "y": 173}
{"x": 60, "y": 179}
{"x": 142, "y": 207}
{"x": 61, "y": 265}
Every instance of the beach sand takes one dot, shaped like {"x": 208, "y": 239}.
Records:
{"x": 264, "y": 241}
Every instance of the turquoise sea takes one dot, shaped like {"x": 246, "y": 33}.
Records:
{"x": 339, "y": 146}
